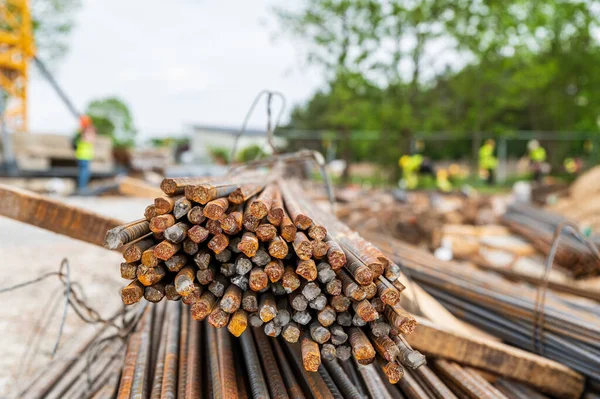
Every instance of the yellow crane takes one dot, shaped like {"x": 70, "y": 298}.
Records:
{"x": 17, "y": 48}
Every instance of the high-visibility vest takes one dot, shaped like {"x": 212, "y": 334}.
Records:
{"x": 487, "y": 160}
{"x": 84, "y": 150}
{"x": 537, "y": 154}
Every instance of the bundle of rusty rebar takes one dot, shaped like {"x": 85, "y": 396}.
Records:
{"x": 170, "y": 355}
{"x": 257, "y": 253}
{"x": 539, "y": 226}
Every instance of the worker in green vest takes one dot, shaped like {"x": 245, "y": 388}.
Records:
{"x": 487, "y": 161}
{"x": 537, "y": 157}
{"x": 84, "y": 151}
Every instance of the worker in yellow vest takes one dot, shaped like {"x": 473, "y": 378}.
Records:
{"x": 537, "y": 157}
{"x": 410, "y": 165}
{"x": 573, "y": 165}
{"x": 442, "y": 181}
{"x": 84, "y": 151}
{"x": 487, "y": 161}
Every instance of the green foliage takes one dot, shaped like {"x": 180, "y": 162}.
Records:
{"x": 159, "y": 142}
{"x": 249, "y": 153}
{"x": 111, "y": 117}
{"x": 522, "y": 66}
{"x": 220, "y": 155}
{"x": 53, "y": 21}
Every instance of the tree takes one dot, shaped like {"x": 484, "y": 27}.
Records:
{"x": 111, "y": 117}
{"x": 53, "y": 21}
{"x": 524, "y": 66}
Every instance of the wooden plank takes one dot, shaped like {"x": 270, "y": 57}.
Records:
{"x": 139, "y": 188}
{"x": 470, "y": 350}
{"x": 418, "y": 301}
{"x": 58, "y": 217}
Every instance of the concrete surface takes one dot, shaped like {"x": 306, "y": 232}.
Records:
{"x": 27, "y": 252}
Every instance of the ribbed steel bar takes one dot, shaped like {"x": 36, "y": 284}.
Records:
{"x": 213, "y": 361}
{"x": 183, "y": 352}
{"x": 274, "y": 378}
{"x": 294, "y": 389}
{"x": 195, "y": 361}
{"x": 258, "y": 383}
{"x": 226, "y": 364}
{"x": 169, "y": 383}
{"x": 342, "y": 381}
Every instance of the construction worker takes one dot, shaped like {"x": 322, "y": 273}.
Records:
{"x": 487, "y": 161}
{"x": 537, "y": 157}
{"x": 442, "y": 182}
{"x": 410, "y": 165}
{"x": 84, "y": 151}
{"x": 572, "y": 165}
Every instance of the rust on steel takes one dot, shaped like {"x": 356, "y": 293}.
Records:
{"x": 311, "y": 355}
{"x": 400, "y": 319}
{"x": 238, "y": 322}
{"x": 226, "y": 365}
{"x": 164, "y": 205}
{"x": 278, "y": 248}
{"x": 274, "y": 270}
{"x": 133, "y": 252}
{"x": 361, "y": 273}
{"x": 206, "y": 192}
{"x": 335, "y": 255}
{"x": 317, "y": 232}
{"x": 150, "y": 212}
{"x": 261, "y": 206}
{"x": 165, "y": 249}
{"x": 265, "y": 232}
{"x": 193, "y": 382}
{"x": 244, "y": 192}
{"x": 129, "y": 366}
{"x": 275, "y": 215}
{"x": 248, "y": 244}
{"x": 160, "y": 223}
{"x": 297, "y": 214}
{"x": 176, "y": 185}
{"x": 363, "y": 350}
{"x": 196, "y": 215}
{"x": 183, "y": 352}
{"x": 204, "y": 306}
{"x": 55, "y": 216}
{"x": 302, "y": 246}
{"x": 169, "y": 383}
{"x": 216, "y": 208}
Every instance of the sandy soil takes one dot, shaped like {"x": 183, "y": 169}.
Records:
{"x": 27, "y": 252}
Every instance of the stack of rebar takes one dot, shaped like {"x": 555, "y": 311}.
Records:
{"x": 195, "y": 360}
{"x": 539, "y": 226}
{"x": 565, "y": 330}
{"x": 257, "y": 253}
{"x": 169, "y": 355}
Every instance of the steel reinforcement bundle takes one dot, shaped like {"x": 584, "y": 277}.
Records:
{"x": 539, "y": 227}
{"x": 249, "y": 252}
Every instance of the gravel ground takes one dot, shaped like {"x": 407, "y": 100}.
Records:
{"x": 27, "y": 252}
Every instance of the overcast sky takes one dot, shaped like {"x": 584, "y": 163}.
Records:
{"x": 174, "y": 63}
